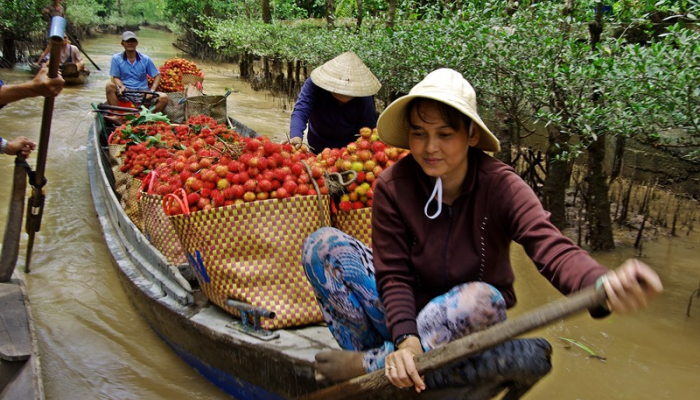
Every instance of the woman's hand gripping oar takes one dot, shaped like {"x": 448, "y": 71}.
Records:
{"x": 586, "y": 299}
{"x": 35, "y": 205}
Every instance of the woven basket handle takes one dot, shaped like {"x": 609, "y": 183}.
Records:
{"x": 149, "y": 181}
{"x": 169, "y": 198}
{"x": 340, "y": 177}
{"x": 318, "y": 194}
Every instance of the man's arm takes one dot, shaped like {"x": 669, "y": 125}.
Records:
{"x": 156, "y": 82}
{"x": 41, "y": 85}
{"x": 120, "y": 85}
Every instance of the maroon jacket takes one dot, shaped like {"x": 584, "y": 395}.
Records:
{"x": 417, "y": 259}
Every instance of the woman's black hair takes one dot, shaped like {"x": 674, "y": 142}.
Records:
{"x": 451, "y": 115}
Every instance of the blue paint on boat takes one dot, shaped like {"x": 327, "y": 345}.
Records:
{"x": 236, "y": 387}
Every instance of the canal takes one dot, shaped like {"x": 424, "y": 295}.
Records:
{"x": 95, "y": 346}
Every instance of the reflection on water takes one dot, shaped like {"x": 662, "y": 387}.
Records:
{"x": 94, "y": 345}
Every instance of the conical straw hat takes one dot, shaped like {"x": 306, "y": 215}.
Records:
{"x": 346, "y": 75}
{"x": 444, "y": 85}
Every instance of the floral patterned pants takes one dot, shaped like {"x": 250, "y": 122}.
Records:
{"x": 341, "y": 271}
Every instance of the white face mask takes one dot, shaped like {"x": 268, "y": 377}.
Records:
{"x": 436, "y": 195}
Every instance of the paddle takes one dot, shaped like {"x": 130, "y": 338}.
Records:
{"x": 35, "y": 205}
{"x": 13, "y": 226}
{"x": 468, "y": 346}
{"x": 77, "y": 44}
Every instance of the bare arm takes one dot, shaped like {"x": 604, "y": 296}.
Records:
{"x": 20, "y": 145}
{"x": 41, "y": 85}
{"x": 119, "y": 83}
{"x": 44, "y": 54}
{"x": 156, "y": 82}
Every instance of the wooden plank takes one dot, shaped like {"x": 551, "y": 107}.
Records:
{"x": 14, "y": 324}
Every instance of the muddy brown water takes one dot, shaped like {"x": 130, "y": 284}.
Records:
{"x": 95, "y": 346}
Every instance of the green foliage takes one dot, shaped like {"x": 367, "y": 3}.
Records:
{"x": 84, "y": 12}
{"x": 287, "y": 9}
{"x": 534, "y": 66}
{"x": 153, "y": 11}
{"x": 19, "y": 18}
{"x": 658, "y": 87}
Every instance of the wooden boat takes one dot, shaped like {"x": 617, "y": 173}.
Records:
{"x": 20, "y": 370}
{"x": 256, "y": 366}
{"x": 69, "y": 72}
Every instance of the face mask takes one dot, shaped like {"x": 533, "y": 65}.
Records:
{"x": 436, "y": 195}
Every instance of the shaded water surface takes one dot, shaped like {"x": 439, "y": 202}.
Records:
{"x": 94, "y": 345}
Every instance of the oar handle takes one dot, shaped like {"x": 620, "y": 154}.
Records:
{"x": 460, "y": 349}
{"x": 58, "y": 26}
{"x": 35, "y": 207}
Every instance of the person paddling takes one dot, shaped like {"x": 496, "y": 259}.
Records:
{"x": 443, "y": 220}
{"x": 55, "y": 9}
{"x": 69, "y": 54}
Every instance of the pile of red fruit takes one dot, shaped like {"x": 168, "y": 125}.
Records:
{"x": 171, "y": 74}
{"x": 368, "y": 157}
{"x": 216, "y": 167}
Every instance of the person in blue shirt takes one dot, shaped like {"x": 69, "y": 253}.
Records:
{"x": 40, "y": 85}
{"x": 130, "y": 70}
{"x": 336, "y": 101}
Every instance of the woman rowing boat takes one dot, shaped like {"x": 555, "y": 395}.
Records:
{"x": 443, "y": 219}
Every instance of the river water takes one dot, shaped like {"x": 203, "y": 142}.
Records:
{"x": 95, "y": 346}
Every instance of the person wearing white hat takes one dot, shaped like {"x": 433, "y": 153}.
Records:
{"x": 336, "y": 101}
{"x": 130, "y": 70}
{"x": 443, "y": 220}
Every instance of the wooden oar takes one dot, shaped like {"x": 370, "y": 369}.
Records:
{"x": 468, "y": 346}
{"x": 35, "y": 206}
{"x": 77, "y": 44}
{"x": 13, "y": 226}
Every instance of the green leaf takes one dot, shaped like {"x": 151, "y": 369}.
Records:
{"x": 583, "y": 347}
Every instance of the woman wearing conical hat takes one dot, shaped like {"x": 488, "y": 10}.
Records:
{"x": 443, "y": 220}
{"x": 336, "y": 101}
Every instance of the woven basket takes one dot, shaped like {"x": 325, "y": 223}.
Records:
{"x": 212, "y": 106}
{"x": 251, "y": 252}
{"x": 116, "y": 151}
{"x": 175, "y": 109}
{"x": 356, "y": 223}
{"x": 159, "y": 230}
{"x": 129, "y": 190}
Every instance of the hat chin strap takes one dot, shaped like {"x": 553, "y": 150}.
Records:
{"x": 436, "y": 195}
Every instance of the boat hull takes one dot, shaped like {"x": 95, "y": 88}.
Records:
{"x": 20, "y": 368}
{"x": 243, "y": 366}
{"x": 71, "y": 78}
